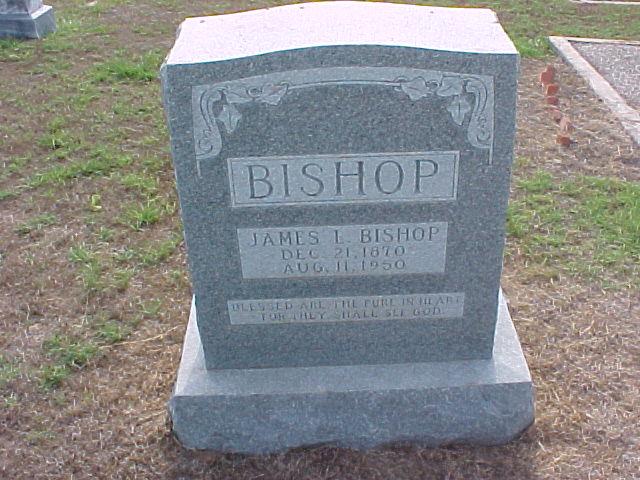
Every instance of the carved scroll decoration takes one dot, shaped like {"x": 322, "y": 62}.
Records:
{"x": 219, "y": 107}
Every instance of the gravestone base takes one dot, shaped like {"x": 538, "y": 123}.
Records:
{"x": 485, "y": 402}
{"x": 37, "y": 24}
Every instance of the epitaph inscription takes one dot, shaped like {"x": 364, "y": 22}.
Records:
{"x": 354, "y": 178}
{"x": 321, "y": 251}
{"x": 346, "y": 309}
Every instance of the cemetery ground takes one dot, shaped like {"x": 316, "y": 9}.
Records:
{"x": 95, "y": 297}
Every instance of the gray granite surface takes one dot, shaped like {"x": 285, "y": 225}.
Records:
{"x": 19, "y": 6}
{"x": 310, "y": 25}
{"x": 307, "y": 147}
{"x": 25, "y": 19}
{"x": 617, "y": 62}
{"x": 361, "y": 406}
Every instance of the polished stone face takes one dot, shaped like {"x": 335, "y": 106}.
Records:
{"x": 330, "y": 193}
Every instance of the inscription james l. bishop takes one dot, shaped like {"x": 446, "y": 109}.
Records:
{"x": 347, "y": 178}
{"x": 388, "y": 249}
{"x": 346, "y": 309}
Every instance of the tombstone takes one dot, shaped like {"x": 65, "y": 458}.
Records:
{"x": 25, "y": 19}
{"x": 343, "y": 173}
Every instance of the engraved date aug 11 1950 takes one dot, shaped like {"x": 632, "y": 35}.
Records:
{"x": 391, "y": 249}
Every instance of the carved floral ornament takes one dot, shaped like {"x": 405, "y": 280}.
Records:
{"x": 219, "y": 107}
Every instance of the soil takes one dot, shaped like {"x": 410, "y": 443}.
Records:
{"x": 108, "y": 419}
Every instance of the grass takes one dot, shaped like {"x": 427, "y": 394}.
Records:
{"x": 59, "y": 138}
{"x": 585, "y": 226}
{"x": 67, "y": 354}
{"x": 100, "y": 162}
{"x": 5, "y": 194}
{"x": 122, "y": 68}
{"x": 91, "y": 270}
{"x": 112, "y": 332}
{"x": 139, "y": 182}
{"x": 122, "y": 277}
{"x": 159, "y": 252}
{"x": 140, "y": 216}
{"x": 530, "y": 22}
{"x": 36, "y": 223}
{"x": 12, "y": 50}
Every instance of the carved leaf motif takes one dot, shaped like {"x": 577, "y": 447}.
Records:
{"x": 458, "y": 108}
{"x": 229, "y": 117}
{"x": 450, "y": 86}
{"x": 209, "y": 143}
{"x": 416, "y": 88}
{"x": 237, "y": 95}
{"x": 272, "y": 94}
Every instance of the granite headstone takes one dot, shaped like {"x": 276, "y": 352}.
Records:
{"x": 343, "y": 171}
{"x": 25, "y": 19}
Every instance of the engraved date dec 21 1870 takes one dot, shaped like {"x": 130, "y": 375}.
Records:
{"x": 388, "y": 249}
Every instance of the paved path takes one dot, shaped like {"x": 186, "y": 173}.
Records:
{"x": 612, "y": 68}
{"x": 618, "y": 63}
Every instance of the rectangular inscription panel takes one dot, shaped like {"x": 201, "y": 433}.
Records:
{"x": 346, "y": 309}
{"x": 379, "y": 177}
{"x": 388, "y": 249}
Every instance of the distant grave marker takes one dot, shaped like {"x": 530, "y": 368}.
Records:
{"x": 25, "y": 19}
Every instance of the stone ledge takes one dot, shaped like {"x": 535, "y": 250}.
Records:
{"x": 359, "y": 406}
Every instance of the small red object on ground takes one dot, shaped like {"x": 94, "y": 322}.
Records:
{"x": 547, "y": 75}
{"x": 551, "y": 89}
{"x": 552, "y": 100}
{"x": 563, "y": 140}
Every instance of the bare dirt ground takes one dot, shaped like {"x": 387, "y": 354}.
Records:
{"x": 108, "y": 419}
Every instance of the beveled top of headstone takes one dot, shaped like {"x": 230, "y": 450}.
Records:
{"x": 216, "y": 38}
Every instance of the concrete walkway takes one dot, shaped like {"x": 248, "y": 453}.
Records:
{"x": 612, "y": 68}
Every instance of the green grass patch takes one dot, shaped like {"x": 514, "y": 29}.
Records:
{"x": 12, "y": 50}
{"x": 6, "y": 194}
{"x": 91, "y": 271}
{"x": 140, "y": 183}
{"x": 584, "y": 226}
{"x": 151, "y": 253}
{"x": 121, "y": 278}
{"x": 159, "y": 252}
{"x": 52, "y": 376}
{"x": 112, "y": 332}
{"x": 37, "y": 223}
{"x": 67, "y": 353}
{"x": 59, "y": 138}
{"x": 106, "y": 234}
{"x": 100, "y": 162}
{"x": 612, "y": 208}
{"x": 142, "y": 215}
{"x": 126, "y": 68}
